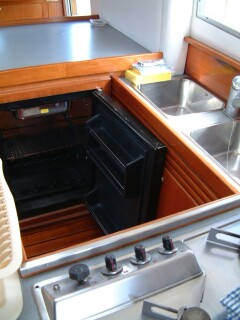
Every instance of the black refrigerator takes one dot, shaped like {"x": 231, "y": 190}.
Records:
{"x": 128, "y": 163}
{"x": 81, "y": 148}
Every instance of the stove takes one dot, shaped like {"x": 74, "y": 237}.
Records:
{"x": 175, "y": 279}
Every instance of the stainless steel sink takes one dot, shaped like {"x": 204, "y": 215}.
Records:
{"x": 222, "y": 142}
{"x": 180, "y": 96}
{"x": 200, "y": 116}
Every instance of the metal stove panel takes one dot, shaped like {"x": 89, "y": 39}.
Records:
{"x": 163, "y": 281}
{"x": 221, "y": 267}
{"x": 61, "y": 298}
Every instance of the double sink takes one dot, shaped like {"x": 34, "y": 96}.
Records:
{"x": 201, "y": 117}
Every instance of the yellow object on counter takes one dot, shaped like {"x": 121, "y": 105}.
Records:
{"x": 138, "y": 79}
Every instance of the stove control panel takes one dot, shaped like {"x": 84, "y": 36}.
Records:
{"x": 114, "y": 284}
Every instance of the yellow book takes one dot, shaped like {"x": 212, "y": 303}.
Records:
{"x": 138, "y": 79}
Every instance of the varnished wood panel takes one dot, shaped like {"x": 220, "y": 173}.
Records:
{"x": 17, "y": 12}
{"x": 213, "y": 52}
{"x": 191, "y": 181}
{"x": 84, "y": 75}
{"x": 173, "y": 197}
{"x": 21, "y": 11}
{"x": 54, "y": 87}
{"x": 47, "y": 20}
{"x": 60, "y": 243}
{"x": 211, "y": 68}
{"x": 181, "y": 188}
{"x": 55, "y": 9}
{"x": 40, "y": 222}
{"x": 57, "y": 230}
{"x": 187, "y": 179}
{"x": 65, "y": 70}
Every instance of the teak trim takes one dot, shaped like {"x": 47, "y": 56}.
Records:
{"x": 47, "y": 20}
{"x": 65, "y": 70}
{"x": 212, "y": 69}
{"x": 213, "y": 52}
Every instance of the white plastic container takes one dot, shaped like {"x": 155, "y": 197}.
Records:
{"x": 11, "y": 301}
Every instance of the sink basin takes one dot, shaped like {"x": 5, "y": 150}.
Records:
{"x": 180, "y": 96}
{"x": 221, "y": 141}
{"x": 199, "y": 115}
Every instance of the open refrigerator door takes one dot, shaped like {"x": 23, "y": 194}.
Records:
{"x": 11, "y": 302}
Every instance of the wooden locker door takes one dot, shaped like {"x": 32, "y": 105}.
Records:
{"x": 23, "y": 10}
{"x": 30, "y": 9}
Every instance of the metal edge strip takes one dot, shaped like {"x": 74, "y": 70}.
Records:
{"x": 108, "y": 243}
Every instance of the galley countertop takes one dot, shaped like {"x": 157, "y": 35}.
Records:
{"x": 181, "y": 225}
{"x": 49, "y": 43}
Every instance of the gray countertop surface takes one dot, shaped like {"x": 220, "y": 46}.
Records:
{"x": 50, "y": 43}
{"x": 29, "y": 308}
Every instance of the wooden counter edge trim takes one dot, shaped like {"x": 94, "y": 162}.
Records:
{"x": 217, "y": 54}
{"x": 125, "y": 96}
{"x": 47, "y": 20}
{"x": 55, "y": 87}
{"x": 56, "y": 71}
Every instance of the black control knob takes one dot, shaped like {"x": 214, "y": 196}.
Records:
{"x": 141, "y": 257}
{"x": 79, "y": 272}
{"x": 112, "y": 267}
{"x": 168, "y": 246}
{"x": 168, "y": 243}
{"x": 140, "y": 252}
{"x": 111, "y": 262}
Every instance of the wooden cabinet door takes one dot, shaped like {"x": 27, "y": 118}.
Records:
{"x": 55, "y": 9}
{"x": 22, "y": 11}
{"x": 30, "y": 9}
{"x": 173, "y": 197}
{"x": 181, "y": 189}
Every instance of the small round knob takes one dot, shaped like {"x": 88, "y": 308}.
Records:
{"x": 168, "y": 246}
{"x": 112, "y": 267}
{"x": 111, "y": 262}
{"x": 168, "y": 243}
{"x": 141, "y": 257}
{"x": 140, "y": 252}
{"x": 79, "y": 272}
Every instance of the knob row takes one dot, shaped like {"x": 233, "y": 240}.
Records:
{"x": 80, "y": 272}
